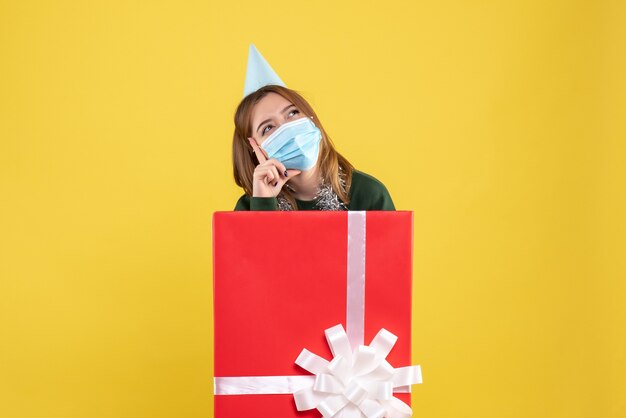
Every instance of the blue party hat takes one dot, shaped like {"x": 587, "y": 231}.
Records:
{"x": 259, "y": 73}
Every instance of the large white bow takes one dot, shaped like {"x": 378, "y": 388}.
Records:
{"x": 357, "y": 383}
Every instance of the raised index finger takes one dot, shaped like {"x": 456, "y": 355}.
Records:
{"x": 260, "y": 155}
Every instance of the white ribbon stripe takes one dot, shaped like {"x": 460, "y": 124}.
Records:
{"x": 257, "y": 385}
{"x": 355, "y": 303}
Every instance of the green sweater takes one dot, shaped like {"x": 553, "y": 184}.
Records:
{"x": 366, "y": 193}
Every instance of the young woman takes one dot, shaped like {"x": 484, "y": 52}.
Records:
{"x": 284, "y": 160}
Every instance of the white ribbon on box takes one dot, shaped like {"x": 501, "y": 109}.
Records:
{"x": 357, "y": 382}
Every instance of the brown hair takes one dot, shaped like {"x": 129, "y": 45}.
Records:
{"x": 245, "y": 161}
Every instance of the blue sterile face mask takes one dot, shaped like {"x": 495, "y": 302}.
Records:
{"x": 296, "y": 144}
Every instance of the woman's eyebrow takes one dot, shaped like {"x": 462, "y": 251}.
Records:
{"x": 268, "y": 120}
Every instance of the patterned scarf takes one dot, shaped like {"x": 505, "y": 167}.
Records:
{"x": 326, "y": 198}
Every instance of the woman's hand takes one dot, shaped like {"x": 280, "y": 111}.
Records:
{"x": 270, "y": 175}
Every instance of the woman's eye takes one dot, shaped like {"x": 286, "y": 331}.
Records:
{"x": 265, "y": 129}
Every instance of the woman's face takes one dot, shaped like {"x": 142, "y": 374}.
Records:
{"x": 269, "y": 113}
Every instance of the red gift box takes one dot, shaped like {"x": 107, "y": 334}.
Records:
{"x": 282, "y": 278}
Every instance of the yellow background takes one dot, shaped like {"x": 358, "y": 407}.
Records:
{"x": 499, "y": 123}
